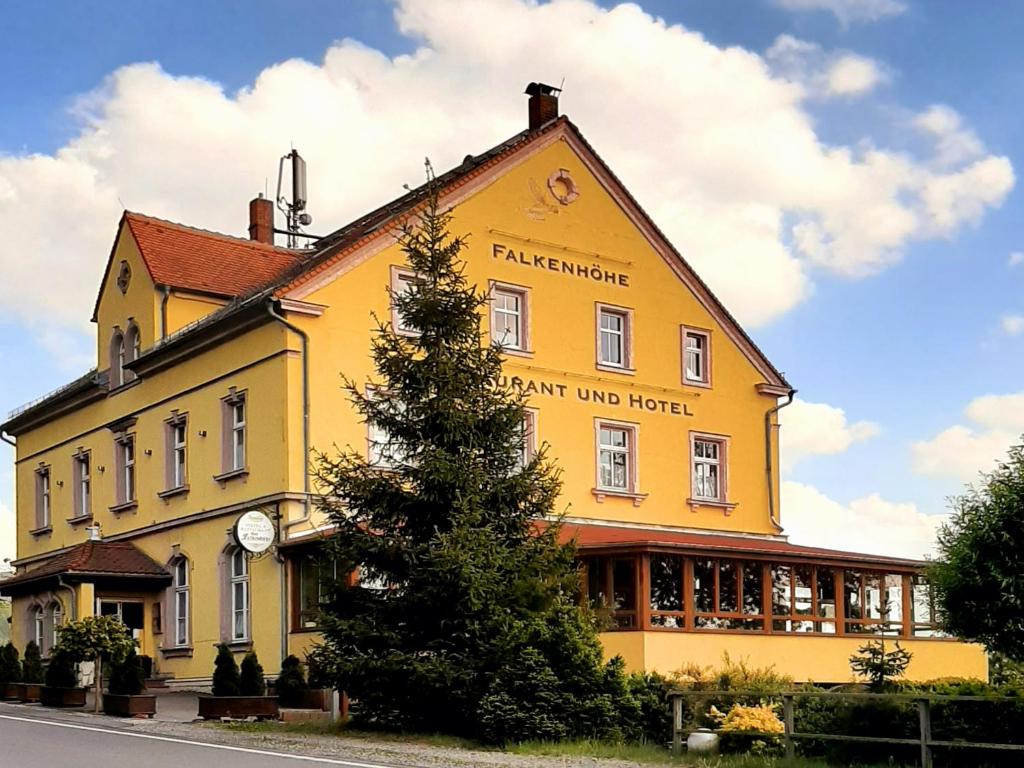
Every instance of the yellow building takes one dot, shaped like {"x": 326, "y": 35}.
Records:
{"x": 218, "y": 365}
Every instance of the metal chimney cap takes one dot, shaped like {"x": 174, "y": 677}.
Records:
{"x": 542, "y": 89}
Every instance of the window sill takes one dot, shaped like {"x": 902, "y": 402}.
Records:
{"x": 231, "y": 474}
{"x": 698, "y": 384}
{"x": 44, "y": 530}
{"x": 239, "y": 646}
{"x": 172, "y": 492}
{"x": 79, "y": 519}
{"x": 122, "y": 387}
{"x": 177, "y": 652}
{"x": 305, "y": 630}
{"x": 725, "y": 506}
{"x": 128, "y": 506}
{"x": 517, "y": 352}
{"x": 601, "y": 493}
{"x": 616, "y": 369}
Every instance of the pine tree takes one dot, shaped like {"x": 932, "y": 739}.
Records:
{"x": 461, "y": 585}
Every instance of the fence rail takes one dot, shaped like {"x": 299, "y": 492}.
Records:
{"x": 790, "y": 735}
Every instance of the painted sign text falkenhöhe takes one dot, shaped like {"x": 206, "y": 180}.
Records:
{"x": 592, "y": 271}
{"x": 597, "y": 396}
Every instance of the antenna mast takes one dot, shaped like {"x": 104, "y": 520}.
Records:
{"x": 295, "y": 210}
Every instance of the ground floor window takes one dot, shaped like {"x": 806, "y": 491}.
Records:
{"x": 239, "y": 576}
{"x": 670, "y": 591}
{"x": 315, "y": 577}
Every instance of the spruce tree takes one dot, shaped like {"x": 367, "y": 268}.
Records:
{"x": 462, "y": 587}
{"x": 226, "y": 679}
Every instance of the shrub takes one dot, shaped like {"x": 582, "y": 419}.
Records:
{"x": 32, "y": 667}
{"x": 147, "y": 665}
{"x": 60, "y": 671}
{"x": 504, "y": 716}
{"x": 127, "y": 677}
{"x": 753, "y": 728}
{"x": 291, "y": 683}
{"x": 252, "y": 682}
{"x": 653, "y": 724}
{"x": 225, "y": 673}
{"x": 10, "y": 667}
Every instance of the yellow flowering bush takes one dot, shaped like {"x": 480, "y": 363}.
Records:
{"x": 761, "y": 718}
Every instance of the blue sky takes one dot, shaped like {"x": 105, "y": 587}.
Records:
{"x": 890, "y": 323}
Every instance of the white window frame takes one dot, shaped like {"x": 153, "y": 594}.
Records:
{"x": 127, "y": 479}
{"x": 529, "y": 447}
{"x": 704, "y": 355}
{"x": 39, "y": 622}
{"x": 521, "y": 294}
{"x": 632, "y": 491}
{"x": 722, "y": 463}
{"x": 238, "y": 433}
{"x": 615, "y": 454}
{"x": 625, "y": 336}
{"x": 181, "y": 602}
{"x": 379, "y": 453}
{"x": 117, "y": 355}
{"x": 234, "y": 433}
{"x": 400, "y": 277}
{"x": 44, "y": 497}
{"x": 238, "y": 580}
{"x": 56, "y": 619}
{"x": 177, "y": 452}
{"x": 83, "y": 485}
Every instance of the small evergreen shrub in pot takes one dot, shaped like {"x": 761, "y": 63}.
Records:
{"x": 237, "y": 694}
{"x": 126, "y": 696}
{"x": 292, "y": 689}
{"x": 31, "y": 674}
{"x": 10, "y": 673}
{"x": 61, "y": 687}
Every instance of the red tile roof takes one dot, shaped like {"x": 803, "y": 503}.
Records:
{"x": 208, "y": 262}
{"x": 93, "y": 558}
{"x": 595, "y": 537}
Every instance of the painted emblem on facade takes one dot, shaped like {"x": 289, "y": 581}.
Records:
{"x": 124, "y": 277}
{"x": 563, "y": 187}
{"x": 561, "y": 190}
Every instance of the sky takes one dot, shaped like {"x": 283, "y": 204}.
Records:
{"x": 841, "y": 172}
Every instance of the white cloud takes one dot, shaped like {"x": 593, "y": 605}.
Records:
{"x": 1016, "y": 258}
{"x": 1012, "y": 325}
{"x": 848, "y": 11}
{"x": 814, "y": 429}
{"x": 7, "y": 534}
{"x": 962, "y": 451}
{"x": 722, "y": 152}
{"x": 869, "y": 524}
{"x": 822, "y": 74}
{"x": 954, "y": 143}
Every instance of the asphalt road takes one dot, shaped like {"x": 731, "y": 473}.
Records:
{"x": 53, "y": 743}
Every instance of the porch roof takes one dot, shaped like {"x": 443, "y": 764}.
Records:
{"x": 610, "y": 538}
{"x": 91, "y": 561}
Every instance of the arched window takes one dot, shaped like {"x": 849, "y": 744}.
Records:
{"x": 39, "y": 623}
{"x": 180, "y": 601}
{"x": 239, "y": 586}
{"x": 133, "y": 348}
{"x": 117, "y": 359}
{"x": 56, "y": 619}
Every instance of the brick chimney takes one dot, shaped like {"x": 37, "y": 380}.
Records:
{"x": 261, "y": 220}
{"x": 543, "y": 103}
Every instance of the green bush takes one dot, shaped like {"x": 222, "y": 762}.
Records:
{"x": 252, "y": 682}
{"x": 32, "y": 667}
{"x": 127, "y": 677}
{"x": 60, "y": 671}
{"x": 10, "y": 667}
{"x": 226, "y": 679}
{"x": 653, "y": 724}
{"x": 291, "y": 683}
{"x": 503, "y": 716}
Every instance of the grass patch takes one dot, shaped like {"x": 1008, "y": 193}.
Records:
{"x": 322, "y": 728}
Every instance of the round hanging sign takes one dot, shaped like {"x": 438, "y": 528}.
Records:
{"x": 254, "y": 532}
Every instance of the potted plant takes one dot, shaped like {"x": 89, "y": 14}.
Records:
{"x": 126, "y": 696}
{"x": 31, "y": 674}
{"x": 292, "y": 689}
{"x": 10, "y": 673}
{"x": 234, "y": 694}
{"x": 96, "y": 639}
{"x": 61, "y": 687}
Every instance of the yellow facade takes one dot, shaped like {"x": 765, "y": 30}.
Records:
{"x": 519, "y": 234}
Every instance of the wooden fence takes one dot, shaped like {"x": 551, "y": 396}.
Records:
{"x": 790, "y": 735}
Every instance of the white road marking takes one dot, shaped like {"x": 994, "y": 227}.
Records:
{"x": 229, "y": 748}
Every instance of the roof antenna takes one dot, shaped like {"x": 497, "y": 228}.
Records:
{"x": 295, "y": 210}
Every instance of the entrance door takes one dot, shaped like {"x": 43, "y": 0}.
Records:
{"x": 130, "y": 613}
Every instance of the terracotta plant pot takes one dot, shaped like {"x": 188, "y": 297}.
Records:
{"x": 216, "y": 707}
{"x": 120, "y": 705}
{"x": 11, "y": 691}
{"x": 31, "y": 693}
{"x": 62, "y": 697}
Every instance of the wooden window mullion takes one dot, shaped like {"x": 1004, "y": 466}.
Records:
{"x": 689, "y": 597}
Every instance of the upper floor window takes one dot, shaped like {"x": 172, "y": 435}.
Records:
{"x": 180, "y": 603}
{"x": 117, "y": 359}
{"x": 83, "y": 485}
{"x": 177, "y": 452}
{"x": 239, "y": 586}
{"x": 529, "y": 442}
{"x": 132, "y": 348}
{"x": 234, "y": 429}
{"x": 614, "y": 337}
{"x": 696, "y": 357}
{"x": 402, "y": 282}
{"x": 382, "y": 450}
{"x": 509, "y": 313}
{"x": 125, "y": 455}
{"x": 616, "y": 457}
{"x": 708, "y": 459}
{"x": 44, "y": 499}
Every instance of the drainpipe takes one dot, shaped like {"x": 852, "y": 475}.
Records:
{"x": 74, "y": 599}
{"x": 8, "y": 440}
{"x": 768, "y": 455}
{"x": 163, "y": 312}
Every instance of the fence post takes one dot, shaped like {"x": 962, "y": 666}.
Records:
{"x": 924, "y": 716}
{"x": 677, "y": 724}
{"x": 787, "y": 716}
